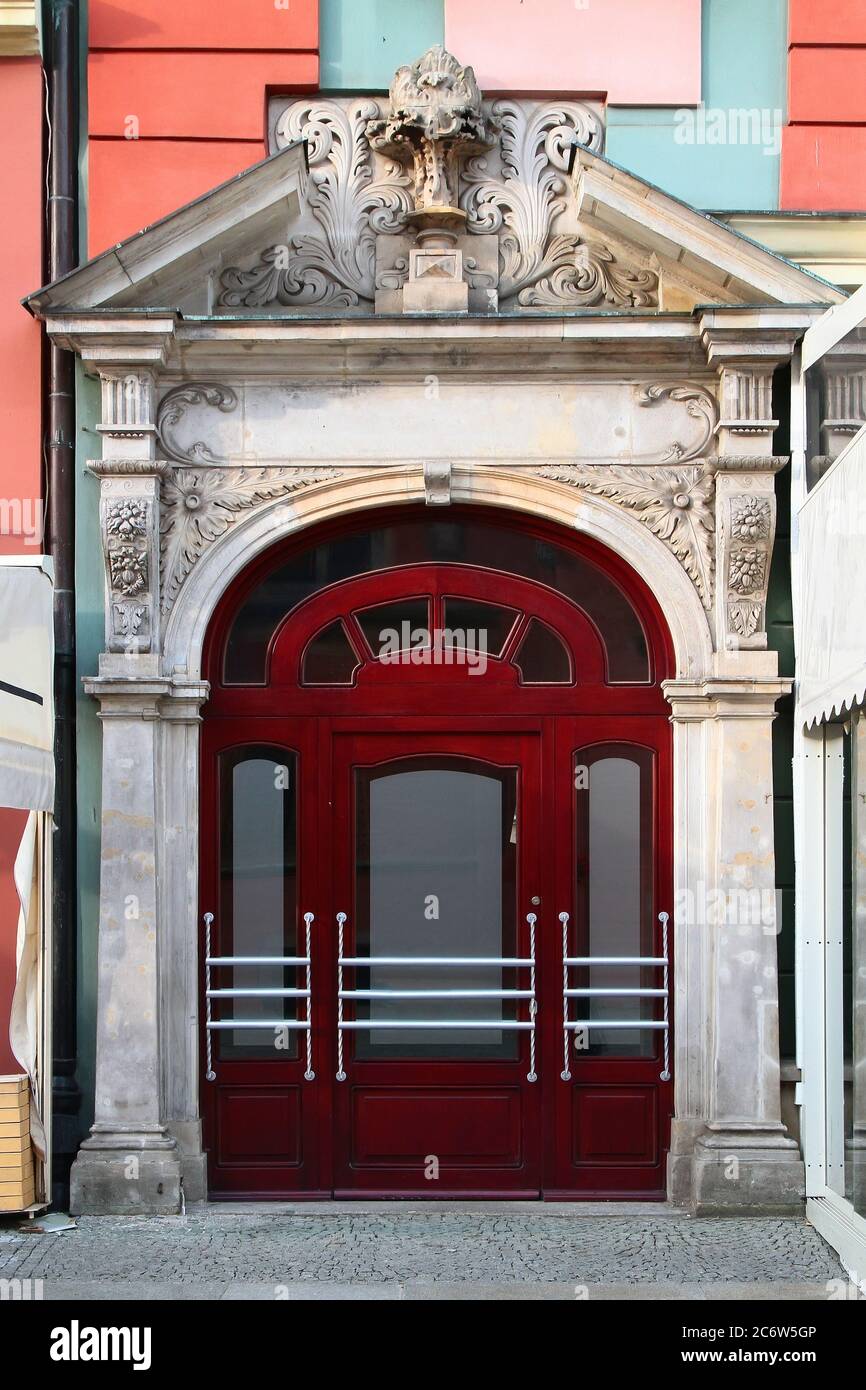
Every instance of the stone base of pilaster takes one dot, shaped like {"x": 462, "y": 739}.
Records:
{"x": 742, "y": 1169}
{"x": 193, "y": 1161}
{"x": 134, "y": 1172}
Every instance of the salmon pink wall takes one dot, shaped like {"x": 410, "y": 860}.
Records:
{"x": 11, "y": 829}
{"x": 176, "y": 99}
{"x": 636, "y": 52}
{"x": 824, "y": 144}
{"x": 20, "y": 274}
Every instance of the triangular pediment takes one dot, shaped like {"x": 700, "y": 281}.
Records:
{"x": 539, "y": 223}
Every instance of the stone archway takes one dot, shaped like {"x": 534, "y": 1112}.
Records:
{"x": 729, "y": 1148}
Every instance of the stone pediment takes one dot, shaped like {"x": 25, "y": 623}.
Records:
{"x": 434, "y": 200}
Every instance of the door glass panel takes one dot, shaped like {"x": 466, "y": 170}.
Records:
{"x": 258, "y": 897}
{"x": 614, "y": 893}
{"x": 396, "y": 627}
{"x": 329, "y": 658}
{"x": 543, "y": 658}
{"x": 436, "y": 868}
{"x": 477, "y": 626}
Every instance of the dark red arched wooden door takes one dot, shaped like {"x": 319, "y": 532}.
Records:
{"x": 436, "y": 828}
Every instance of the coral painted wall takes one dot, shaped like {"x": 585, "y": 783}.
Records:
{"x": 824, "y": 144}
{"x": 20, "y": 337}
{"x": 177, "y": 96}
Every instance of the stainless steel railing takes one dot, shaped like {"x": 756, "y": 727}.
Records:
{"x": 256, "y": 992}
{"x": 344, "y": 995}
{"x": 573, "y": 1025}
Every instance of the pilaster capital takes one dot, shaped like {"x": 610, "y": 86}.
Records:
{"x": 725, "y": 698}
{"x": 149, "y": 697}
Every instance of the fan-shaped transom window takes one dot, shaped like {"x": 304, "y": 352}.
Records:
{"x": 449, "y": 631}
{"x": 485, "y": 544}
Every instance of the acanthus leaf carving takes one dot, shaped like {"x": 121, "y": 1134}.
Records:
{"x": 543, "y": 269}
{"x": 199, "y": 505}
{"x": 348, "y": 202}
{"x": 676, "y": 505}
{"x": 172, "y": 408}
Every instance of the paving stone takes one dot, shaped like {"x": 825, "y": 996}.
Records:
{"x": 414, "y": 1253}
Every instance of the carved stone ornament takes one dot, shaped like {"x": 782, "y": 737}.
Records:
{"x": 174, "y": 406}
{"x": 128, "y": 569}
{"x": 497, "y": 170}
{"x": 746, "y": 570}
{"x": 199, "y": 505}
{"x": 435, "y": 119}
{"x": 676, "y": 504}
{"x": 126, "y": 518}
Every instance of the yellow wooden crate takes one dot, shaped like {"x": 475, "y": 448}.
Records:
{"x": 17, "y": 1144}
{"x": 15, "y": 1160}
{"x": 18, "y": 1082}
{"x": 14, "y": 1128}
{"x": 17, "y": 1201}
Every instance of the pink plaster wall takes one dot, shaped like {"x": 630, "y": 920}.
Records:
{"x": 635, "y": 52}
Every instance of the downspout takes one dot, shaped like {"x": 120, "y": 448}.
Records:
{"x": 61, "y": 30}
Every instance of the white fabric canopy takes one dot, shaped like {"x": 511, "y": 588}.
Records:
{"x": 831, "y": 654}
{"x": 26, "y": 685}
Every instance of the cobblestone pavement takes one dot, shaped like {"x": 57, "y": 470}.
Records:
{"x": 398, "y": 1251}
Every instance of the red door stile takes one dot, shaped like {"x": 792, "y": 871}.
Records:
{"x": 608, "y": 1130}
{"x": 262, "y": 1116}
{"x": 436, "y": 1127}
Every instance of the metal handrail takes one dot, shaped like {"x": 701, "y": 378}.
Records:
{"x": 345, "y": 962}
{"x": 570, "y": 1025}
{"x": 299, "y": 1025}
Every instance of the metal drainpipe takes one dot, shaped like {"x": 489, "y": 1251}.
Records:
{"x": 61, "y": 25}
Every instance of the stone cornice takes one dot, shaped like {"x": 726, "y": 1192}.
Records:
{"x": 725, "y": 697}
{"x": 19, "y": 29}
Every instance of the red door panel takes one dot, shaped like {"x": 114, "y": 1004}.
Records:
{"x": 437, "y": 858}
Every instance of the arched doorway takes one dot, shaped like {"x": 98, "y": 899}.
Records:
{"x": 436, "y": 750}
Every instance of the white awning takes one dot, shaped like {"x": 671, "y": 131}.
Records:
{"x": 26, "y": 683}
{"x": 831, "y": 644}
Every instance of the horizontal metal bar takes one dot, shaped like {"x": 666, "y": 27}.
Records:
{"x": 619, "y": 993}
{"x": 371, "y": 1023}
{"x": 436, "y": 994}
{"x": 298, "y": 1023}
{"x": 615, "y": 1023}
{"x": 615, "y": 960}
{"x": 257, "y": 960}
{"x": 366, "y": 961}
{"x": 258, "y": 994}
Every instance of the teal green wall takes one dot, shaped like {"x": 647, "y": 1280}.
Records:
{"x": 90, "y": 640}
{"x": 361, "y": 42}
{"x": 744, "y": 63}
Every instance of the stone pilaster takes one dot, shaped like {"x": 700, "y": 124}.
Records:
{"x": 742, "y": 1156}
{"x": 130, "y": 1164}
{"x": 178, "y": 812}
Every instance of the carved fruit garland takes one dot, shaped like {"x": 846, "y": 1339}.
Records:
{"x": 200, "y": 504}
{"x": 676, "y": 505}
